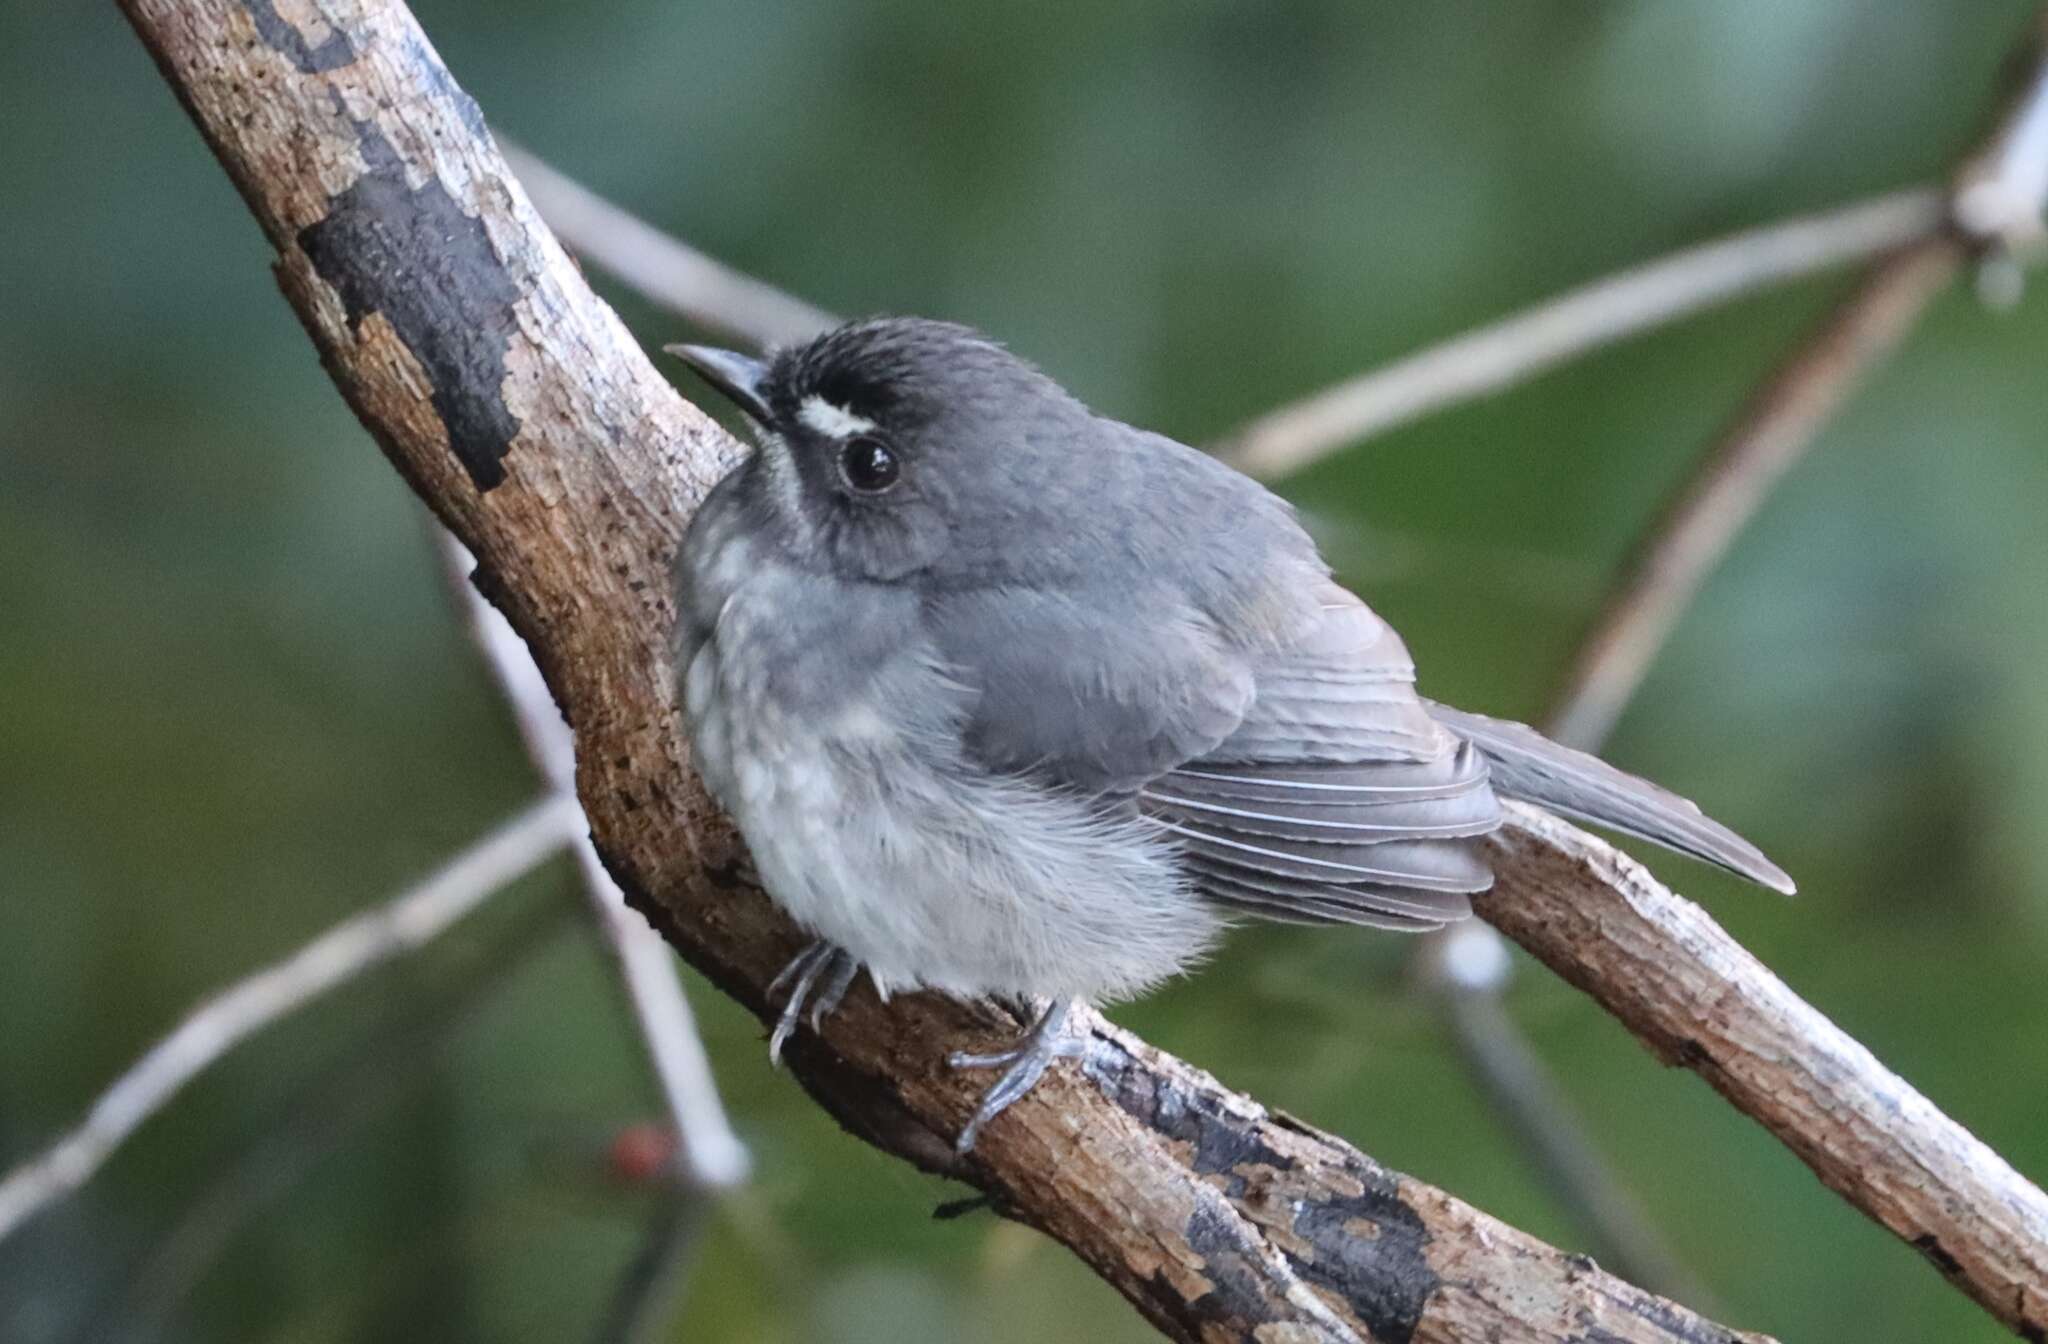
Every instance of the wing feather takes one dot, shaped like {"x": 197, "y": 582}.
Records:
{"x": 1337, "y": 799}
{"x": 1305, "y": 781}
{"x": 1430, "y": 907}
{"x": 1313, "y": 908}
{"x": 1525, "y": 764}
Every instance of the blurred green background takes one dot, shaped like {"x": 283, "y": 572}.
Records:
{"x": 233, "y": 706}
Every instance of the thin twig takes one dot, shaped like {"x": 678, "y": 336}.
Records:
{"x": 1520, "y": 1088}
{"x": 1999, "y": 197}
{"x": 1770, "y": 433}
{"x": 409, "y": 920}
{"x": 1500, "y": 355}
{"x": 640, "y": 1304}
{"x": 292, "y": 1141}
{"x": 661, "y": 267}
{"x": 710, "y": 1153}
{"x": 2001, "y": 192}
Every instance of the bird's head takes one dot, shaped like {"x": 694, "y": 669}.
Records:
{"x": 895, "y": 446}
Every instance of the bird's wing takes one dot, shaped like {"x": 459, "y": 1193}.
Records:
{"x": 1095, "y": 690}
{"x": 1336, "y": 798}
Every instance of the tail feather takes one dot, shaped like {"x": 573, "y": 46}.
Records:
{"x": 1522, "y": 763}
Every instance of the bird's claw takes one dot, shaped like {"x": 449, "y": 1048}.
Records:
{"x": 1023, "y": 1065}
{"x": 800, "y": 974}
{"x": 844, "y": 969}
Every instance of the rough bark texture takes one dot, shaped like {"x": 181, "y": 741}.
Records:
{"x": 520, "y": 409}
{"x": 1696, "y": 998}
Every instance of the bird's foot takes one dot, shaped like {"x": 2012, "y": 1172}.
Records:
{"x": 819, "y": 959}
{"x": 1022, "y": 1065}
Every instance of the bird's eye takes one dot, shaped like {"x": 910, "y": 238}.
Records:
{"x": 869, "y": 465}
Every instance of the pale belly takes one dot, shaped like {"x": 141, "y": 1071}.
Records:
{"x": 873, "y": 832}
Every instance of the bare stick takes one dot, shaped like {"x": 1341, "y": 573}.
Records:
{"x": 712, "y": 1156}
{"x": 409, "y": 920}
{"x": 298, "y": 1135}
{"x": 1515, "y": 349}
{"x": 640, "y": 1305}
{"x": 1697, "y": 999}
{"x": 2000, "y": 190}
{"x": 518, "y": 407}
{"x": 1769, "y": 434}
{"x": 1999, "y": 196}
{"x": 707, "y": 292}
{"x": 711, "y": 1153}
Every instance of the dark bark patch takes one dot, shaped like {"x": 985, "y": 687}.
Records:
{"x": 281, "y": 36}
{"x": 1369, "y": 1249}
{"x": 413, "y": 255}
{"x": 1384, "y": 1276}
{"x": 1222, "y": 1142}
{"x": 1240, "y": 1299}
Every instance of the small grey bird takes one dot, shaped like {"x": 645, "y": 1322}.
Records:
{"x": 1011, "y": 699}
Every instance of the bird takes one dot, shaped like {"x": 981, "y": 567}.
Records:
{"x": 1010, "y": 699}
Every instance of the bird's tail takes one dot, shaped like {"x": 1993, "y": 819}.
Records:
{"x": 1522, "y": 763}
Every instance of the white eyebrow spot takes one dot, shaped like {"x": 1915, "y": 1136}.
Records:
{"x": 835, "y": 422}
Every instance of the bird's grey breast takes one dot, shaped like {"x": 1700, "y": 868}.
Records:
{"x": 781, "y": 663}
{"x": 826, "y": 719}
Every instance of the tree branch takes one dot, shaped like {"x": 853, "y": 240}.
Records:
{"x": 660, "y": 266}
{"x": 1514, "y": 349}
{"x": 407, "y": 921}
{"x": 1998, "y": 201}
{"x": 1697, "y": 999}
{"x": 516, "y": 404}
{"x": 1732, "y": 479}
{"x": 711, "y": 1155}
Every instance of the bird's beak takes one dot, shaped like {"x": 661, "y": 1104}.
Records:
{"x": 738, "y": 376}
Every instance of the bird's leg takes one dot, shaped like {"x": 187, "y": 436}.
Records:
{"x": 844, "y": 969}
{"x": 800, "y": 974}
{"x": 1022, "y": 1065}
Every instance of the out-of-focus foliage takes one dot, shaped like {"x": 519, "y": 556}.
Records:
{"x": 235, "y": 707}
